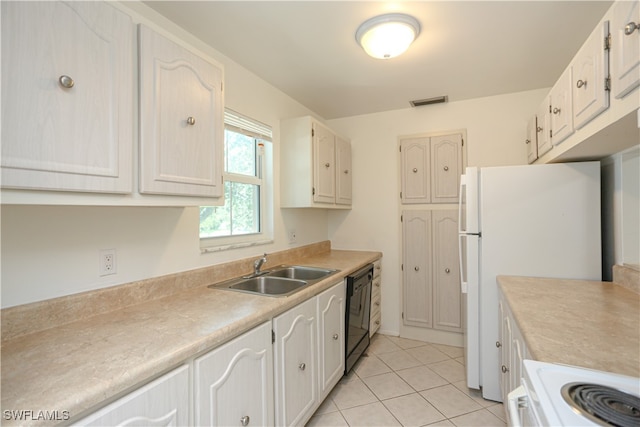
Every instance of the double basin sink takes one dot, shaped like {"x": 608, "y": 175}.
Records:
{"x": 280, "y": 281}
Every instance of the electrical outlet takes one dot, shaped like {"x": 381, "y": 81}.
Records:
{"x": 292, "y": 236}
{"x": 107, "y": 261}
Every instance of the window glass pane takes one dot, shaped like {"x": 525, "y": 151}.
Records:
{"x": 216, "y": 220}
{"x": 245, "y": 207}
{"x": 240, "y": 153}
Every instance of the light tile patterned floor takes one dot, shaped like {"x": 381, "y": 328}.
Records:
{"x": 403, "y": 382}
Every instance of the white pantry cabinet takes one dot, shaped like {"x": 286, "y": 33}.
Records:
{"x": 67, "y": 97}
{"x": 181, "y": 120}
{"x": 296, "y": 364}
{"x": 625, "y": 47}
{"x": 431, "y": 282}
{"x": 430, "y": 168}
{"x": 590, "y": 71}
{"x": 315, "y": 166}
{"x": 234, "y": 383}
{"x": 162, "y": 402}
{"x": 331, "y": 339}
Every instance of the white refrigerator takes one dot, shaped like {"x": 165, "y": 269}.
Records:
{"x": 533, "y": 220}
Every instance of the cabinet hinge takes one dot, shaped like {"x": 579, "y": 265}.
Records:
{"x": 401, "y": 218}
{"x": 401, "y": 267}
{"x": 400, "y": 148}
{"x": 607, "y": 42}
{"x": 401, "y": 194}
{"x": 273, "y": 337}
{"x": 313, "y": 191}
{"x": 463, "y": 142}
{"x": 313, "y": 132}
{"x": 607, "y": 83}
{"x": 403, "y": 315}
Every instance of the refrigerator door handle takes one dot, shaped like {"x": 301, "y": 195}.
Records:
{"x": 464, "y": 283}
{"x": 461, "y": 205}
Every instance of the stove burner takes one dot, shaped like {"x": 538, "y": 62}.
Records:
{"x": 603, "y": 405}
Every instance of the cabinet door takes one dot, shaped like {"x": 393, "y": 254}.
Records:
{"x": 331, "y": 339}
{"x": 447, "y": 298}
{"x": 163, "y": 402}
{"x": 625, "y": 49}
{"x": 505, "y": 352}
{"x": 296, "y": 373}
{"x": 590, "y": 72}
{"x": 446, "y": 168}
{"x": 531, "y": 141}
{"x": 543, "y": 127}
{"x": 67, "y": 96}
{"x": 343, "y": 171}
{"x": 234, "y": 383}
{"x": 181, "y": 120}
{"x": 561, "y": 109}
{"x": 324, "y": 168}
{"x": 416, "y": 262}
{"x": 415, "y": 156}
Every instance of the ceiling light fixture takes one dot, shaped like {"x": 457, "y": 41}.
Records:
{"x": 387, "y": 36}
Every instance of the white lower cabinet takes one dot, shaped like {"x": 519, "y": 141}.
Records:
{"x": 162, "y": 402}
{"x": 296, "y": 364}
{"x": 331, "y": 309}
{"x": 513, "y": 350}
{"x": 234, "y": 383}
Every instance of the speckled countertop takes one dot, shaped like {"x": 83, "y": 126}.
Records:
{"x": 76, "y": 366}
{"x": 577, "y": 322}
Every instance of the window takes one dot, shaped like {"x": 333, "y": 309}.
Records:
{"x": 244, "y": 219}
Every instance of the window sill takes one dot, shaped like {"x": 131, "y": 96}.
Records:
{"x": 229, "y": 246}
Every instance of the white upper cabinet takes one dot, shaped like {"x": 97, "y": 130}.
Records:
{"x": 67, "y": 96}
{"x": 625, "y": 47}
{"x": 543, "y": 127}
{"x": 561, "y": 108}
{"x": 446, "y": 168}
{"x": 590, "y": 84}
{"x": 181, "y": 120}
{"x": 415, "y": 154}
{"x": 532, "y": 140}
{"x": 315, "y": 166}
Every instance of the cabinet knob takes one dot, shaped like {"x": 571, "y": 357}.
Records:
{"x": 245, "y": 420}
{"x": 378, "y": 284}
{"x": 377, "y": 303}
{"x": 326, "y": 165}
{"x": 415, "y": 170}
{"x": 556, "y": 110}
{"x": 446, "y": 168}
{"x": 191, "y": 121}
{"x": 631, "y": 27}
{"x": 528, "y": 141}
{"x": 346, "y": 171}
{"x": 498, "y": 344}
{"x": 504, "y": 369}
{"x": 581, "y": 83}
{"x": 378, "y": 322}
{"x": 66, "y": 81}
{"x": 416, "y": 268}
{"x": 302, "y": 366}
{"x": 538, "y": 129}
{"x": 335, "y": 336}
{"x": 446, "y": 270}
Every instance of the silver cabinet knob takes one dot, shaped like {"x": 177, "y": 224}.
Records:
{"x": 556, "y": 110}
{"x": 66, "y": 81}
{"x": 302, "y": 366}
{"x": 346, "y": 171}
{"x": 415, "y": 170}
{"x": 326, "y": 165}
{"x": 446, "y": 168}
{"x": 498, "y": 344}
{"x": 245, "y": 420}
{"x": 378, "y": 284}
{"x": 335, "y": 336}
{"x": 581, "y": 83}
{"x": 631, "y": 27}
{"x": 528, "y": 141}
{"x": 377, "y": 304}
{"x": 416, "y": 268}
{"x": 446, "y": 270}
{"x": 538, "y": 129}
{"x": 378, "y": 322}
{"x": 191, "y": 121}
{"x": 504, "y": 369}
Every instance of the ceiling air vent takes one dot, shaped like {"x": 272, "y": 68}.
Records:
{"x": 429, "y": 101}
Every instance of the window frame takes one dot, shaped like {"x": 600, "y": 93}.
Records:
{"x": 262, "y": 136}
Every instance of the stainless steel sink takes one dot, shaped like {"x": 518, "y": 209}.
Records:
{"x": 281, "y": 281}
{"x": 300, "y": 272}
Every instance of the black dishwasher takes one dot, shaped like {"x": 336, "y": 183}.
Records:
{"x": 357, "y": 315}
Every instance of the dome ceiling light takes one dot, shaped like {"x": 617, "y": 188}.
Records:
{"x": 387, "y": 36}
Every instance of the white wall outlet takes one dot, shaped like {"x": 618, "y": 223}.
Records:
{"x": 107, "y": 260}
{"x": 292, "y": 236}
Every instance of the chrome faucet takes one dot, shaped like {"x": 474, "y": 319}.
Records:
{"x": 258, "y": 264}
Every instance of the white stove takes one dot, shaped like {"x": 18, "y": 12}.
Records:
{"x": 562, "y": 395}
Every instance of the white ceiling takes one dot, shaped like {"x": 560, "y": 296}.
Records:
{"x": 466, "y": 49}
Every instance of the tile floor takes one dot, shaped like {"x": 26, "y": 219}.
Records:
{"x": 403, "y": 382}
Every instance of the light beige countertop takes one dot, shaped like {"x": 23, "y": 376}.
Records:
{"x": 577, "y": 322}
{"x": 77, "y": 366}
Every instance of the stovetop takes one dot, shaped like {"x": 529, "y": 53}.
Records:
{"x": 603, "y": 398}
